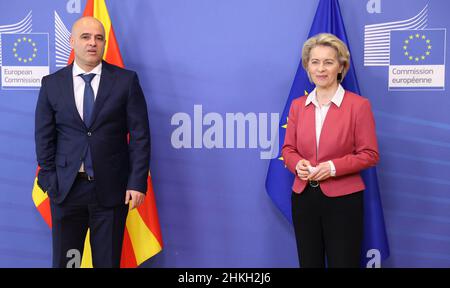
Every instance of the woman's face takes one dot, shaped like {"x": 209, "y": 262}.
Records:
{"x": 323, "y": 66}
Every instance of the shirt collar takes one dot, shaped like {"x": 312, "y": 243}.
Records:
{"x": 76, "y": 70}
{"x": 337, "y": 98}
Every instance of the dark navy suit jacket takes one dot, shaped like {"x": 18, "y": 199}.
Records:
{"x": 62, "y": 137}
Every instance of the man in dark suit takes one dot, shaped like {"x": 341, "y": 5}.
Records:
{"x": 91, "y": 172}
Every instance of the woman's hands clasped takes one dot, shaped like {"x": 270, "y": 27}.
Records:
{"x": 319, "y": 173}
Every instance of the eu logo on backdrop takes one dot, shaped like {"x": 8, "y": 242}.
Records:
{"x": 417, "y": 59}
{"x": 25, "y": 59}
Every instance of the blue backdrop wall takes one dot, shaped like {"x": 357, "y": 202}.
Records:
{"x": 228, "y": 57}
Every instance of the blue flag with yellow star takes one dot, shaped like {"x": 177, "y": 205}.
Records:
{"x": 279, "y": 180}
{"x": 417, "y": 47}
{"x": 24, "y": 49}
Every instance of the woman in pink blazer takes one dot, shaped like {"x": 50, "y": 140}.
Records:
{"x": 330, "y": 138}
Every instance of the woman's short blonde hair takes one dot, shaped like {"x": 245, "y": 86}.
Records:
{"x": 329, "y": 40}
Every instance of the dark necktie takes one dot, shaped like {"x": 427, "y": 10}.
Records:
{"x": 88, "y": 101}
{"x": 88, "y": 105}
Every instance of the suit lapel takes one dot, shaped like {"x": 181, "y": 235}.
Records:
{"x": 106, "y": 83}
{"x": 66, "y": 86}
{"x": 328, "y": 123}
{"x": 309, "y": 124}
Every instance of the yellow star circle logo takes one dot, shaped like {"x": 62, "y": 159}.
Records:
{"x": 420, "y": 40}
{"x": 20, "y": 42}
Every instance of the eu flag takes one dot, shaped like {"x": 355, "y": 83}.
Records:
{"x": 279, "y": 180}
{"x": 24, "y": 49}
{"x": 417, "y": 47}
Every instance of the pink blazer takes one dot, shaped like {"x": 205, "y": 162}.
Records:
{"x": 347, "y": 138}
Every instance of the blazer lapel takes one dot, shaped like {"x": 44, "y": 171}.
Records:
{"x": 328, "y": 123}
{"x": 67, "y": 92}
{"x": 106, "y": 83}
{"x": 309, "y": 130}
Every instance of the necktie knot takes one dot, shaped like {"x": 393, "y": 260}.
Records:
{"x": 87, "y": 77}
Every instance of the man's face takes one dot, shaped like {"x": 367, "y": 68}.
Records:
{"x": 88, "y": 42}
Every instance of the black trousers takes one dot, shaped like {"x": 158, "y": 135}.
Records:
{"x": 71, "y": 220}
{"x": 328, "y": 230}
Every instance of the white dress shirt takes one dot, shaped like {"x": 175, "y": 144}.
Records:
{"x": 321, "y": 113}
{"x": 78, "y": 87}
